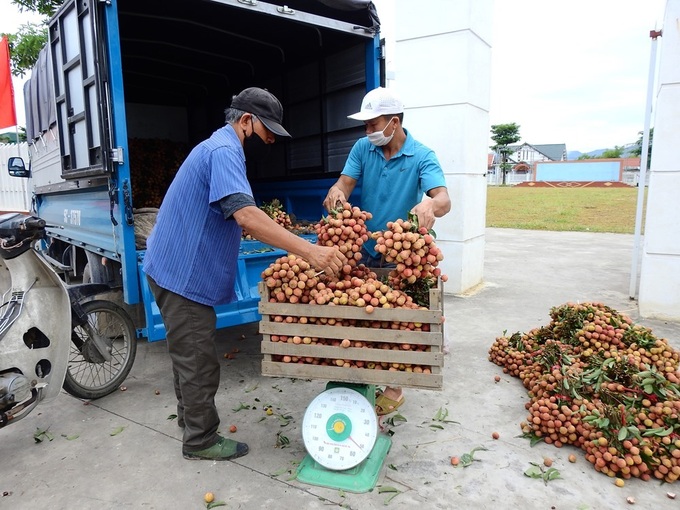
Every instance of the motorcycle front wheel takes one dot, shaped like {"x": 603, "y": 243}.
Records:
{"x": 90, "y": 375}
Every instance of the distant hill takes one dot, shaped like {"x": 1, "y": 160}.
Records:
{"x": 572, "y": 155}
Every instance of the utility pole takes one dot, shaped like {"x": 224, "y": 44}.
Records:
{"x": 632, "y": 292}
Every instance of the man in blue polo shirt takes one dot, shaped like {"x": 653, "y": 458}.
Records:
{"x": 192, "y": 252}
{"x": 400, "y": 175}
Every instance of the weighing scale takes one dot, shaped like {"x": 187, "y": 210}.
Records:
{"x": 340, "y": 432}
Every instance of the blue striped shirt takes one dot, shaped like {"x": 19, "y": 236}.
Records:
{"x": 390, "y": 189}
{"x": 193, "y": 250}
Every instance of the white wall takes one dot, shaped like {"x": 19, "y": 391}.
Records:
{"x": 441, "y": 68}
{"x": 659, "y": 294}
{"x": 14, "y": 191}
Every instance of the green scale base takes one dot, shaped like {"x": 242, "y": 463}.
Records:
{"x": 360, "y": 478}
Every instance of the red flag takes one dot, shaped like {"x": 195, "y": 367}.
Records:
{"x": 8, "y": 114}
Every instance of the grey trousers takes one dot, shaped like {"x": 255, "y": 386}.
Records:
{"x": 190, "y": 332}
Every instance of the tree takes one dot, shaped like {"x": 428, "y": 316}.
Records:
{"x": 24, "y": 47}
{"x": 45, "y": 7}
{"x": 585, "y": 156}
{"x": 637, "y": 149}
{"x": 26, "y": 44}
{"x": 614, "y": 153}
{"x": 504, "y": 135}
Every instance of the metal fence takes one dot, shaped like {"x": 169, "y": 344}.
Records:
{"x": 15, "y": 194}
{"x": 631, "y": 177}
{"x": 494, "y": 178}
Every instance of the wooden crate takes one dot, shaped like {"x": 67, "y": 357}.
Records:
{"x": 433, "y": 358}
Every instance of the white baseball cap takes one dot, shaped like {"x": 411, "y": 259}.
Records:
{"x": 378, "y": 102}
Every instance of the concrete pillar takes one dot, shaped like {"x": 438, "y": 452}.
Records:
{"x": 659, "y": 295}
{"x": 443, "y": 74}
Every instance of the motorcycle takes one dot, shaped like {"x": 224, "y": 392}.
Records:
{"x": 53, "y": 335}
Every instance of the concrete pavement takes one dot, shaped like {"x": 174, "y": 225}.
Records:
{"x": 526, "y": 273}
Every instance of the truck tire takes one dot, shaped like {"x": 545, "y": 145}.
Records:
{"x": 89, "y": 374}
{"x": 96, "y": 272}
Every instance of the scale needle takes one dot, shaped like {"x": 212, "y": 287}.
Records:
{"x": 351, "y": 439}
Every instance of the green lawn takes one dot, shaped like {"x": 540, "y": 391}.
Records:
{"x": 575, "y": 209}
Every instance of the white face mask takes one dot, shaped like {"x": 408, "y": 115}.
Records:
{"x": 378, "y": 138}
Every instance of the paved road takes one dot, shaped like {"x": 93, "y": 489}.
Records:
{"x": 526, "y": 273}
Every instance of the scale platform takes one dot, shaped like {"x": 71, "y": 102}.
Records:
{"x": 361, "y": 478}
{"x": 339, "y": 426}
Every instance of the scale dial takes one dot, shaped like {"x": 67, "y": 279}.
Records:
{"x": 339, "y": 428}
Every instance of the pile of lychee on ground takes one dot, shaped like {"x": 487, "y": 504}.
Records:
{"x": 414, "y": 256}
{"x": 599, "y": 382}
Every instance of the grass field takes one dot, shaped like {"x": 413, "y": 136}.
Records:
{"x": 575, "y": 209}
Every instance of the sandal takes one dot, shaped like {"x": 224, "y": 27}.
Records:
{"x": 385, "y": 405}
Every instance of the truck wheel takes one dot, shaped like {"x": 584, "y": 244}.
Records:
{"x": 96, "y": 272}
{"x": 90, "y": 375}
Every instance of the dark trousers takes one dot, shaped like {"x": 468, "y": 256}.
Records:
{"x": 190, "y": 332}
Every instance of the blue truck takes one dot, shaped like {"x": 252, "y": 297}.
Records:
{"x": 125, "y": 88}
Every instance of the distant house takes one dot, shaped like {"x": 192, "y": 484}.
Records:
{"x": 491, "y": 161}
{"x": 523, "y": 158}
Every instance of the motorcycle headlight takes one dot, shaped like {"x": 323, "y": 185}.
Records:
{"x": 14, "y": 388}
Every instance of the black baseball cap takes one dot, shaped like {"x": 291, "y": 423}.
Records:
{"x": 264, "y": 104}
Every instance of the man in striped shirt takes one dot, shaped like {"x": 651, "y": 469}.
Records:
{"x": 191, "y": 258}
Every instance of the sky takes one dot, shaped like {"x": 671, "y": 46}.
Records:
{"x": 10, "y": 21}
{"x": 573, "y": 72}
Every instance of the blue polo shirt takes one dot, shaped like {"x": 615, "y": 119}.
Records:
{"x": 193, "y": 250}
{"x": 390, "y": 189}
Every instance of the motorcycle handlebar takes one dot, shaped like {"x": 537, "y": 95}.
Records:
{"x": 33, "y": 223}
{"x": 17, "y": 231}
